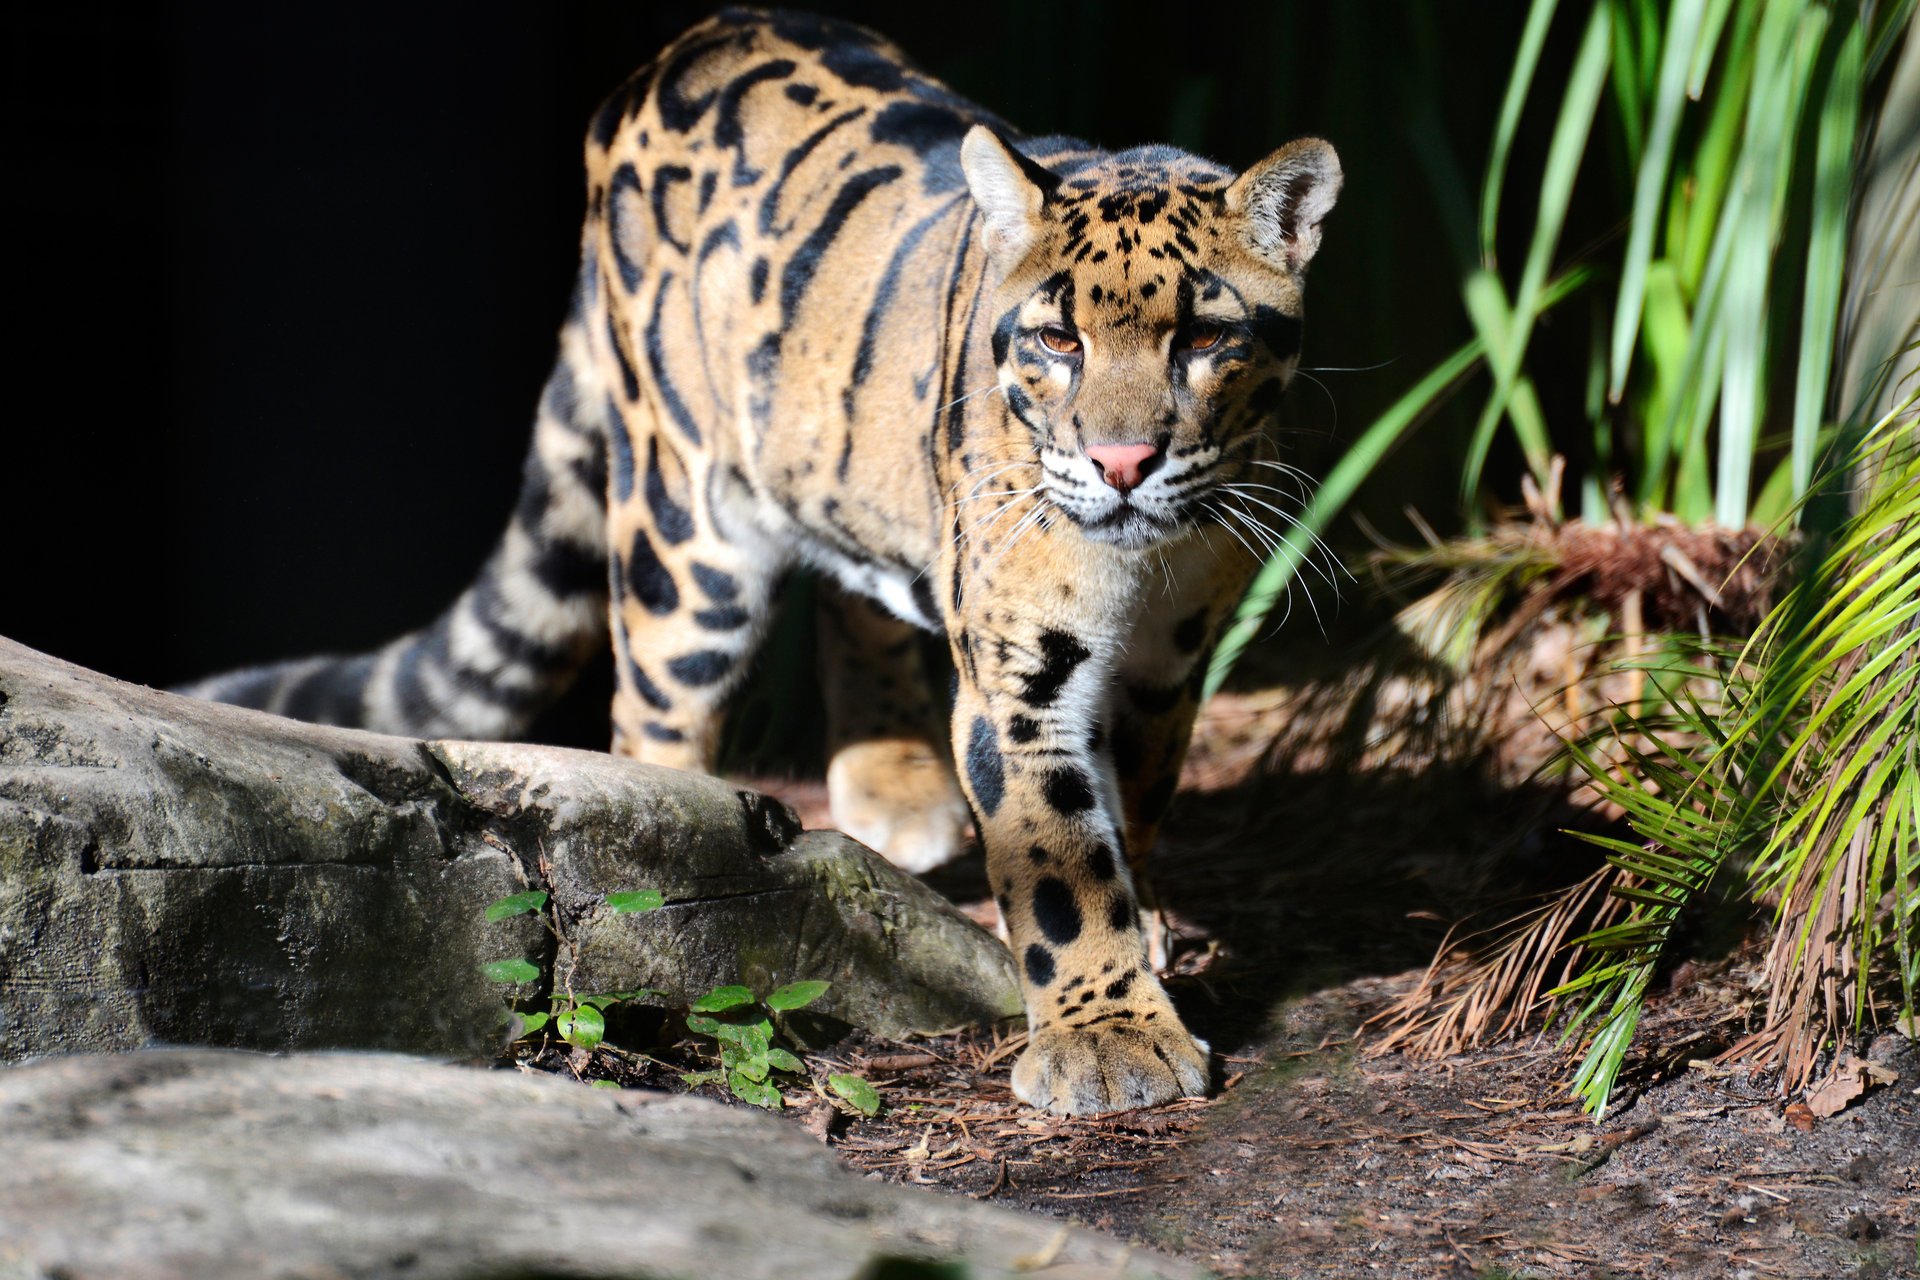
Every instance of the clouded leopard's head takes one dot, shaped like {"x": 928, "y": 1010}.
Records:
{"x": 1147, "y": 320}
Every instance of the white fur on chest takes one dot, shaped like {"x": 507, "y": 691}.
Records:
{"x": 888, "y": 585}
{"x": 785, "y": 542}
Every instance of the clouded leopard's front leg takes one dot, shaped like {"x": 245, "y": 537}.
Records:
{"x": 1156, "y": 695}
{"x": 1036, "y": 646}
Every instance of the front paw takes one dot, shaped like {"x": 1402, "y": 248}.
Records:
{"x": 1115, "y": 1066}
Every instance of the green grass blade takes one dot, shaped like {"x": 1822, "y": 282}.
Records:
{"x": 1787, "y": 45}
{"x": 1692, "y": 486}
{"x": 1892, "y": 22}
{"x": 1710, "y": 176}
{"x": 1826, "y": 252}
{"x": 1584, "y": 85}
{"x": 1564, "y": 153}
{"x": 1628, "y": 96}
{"x": 1594, "y": 506}
{"x": 1716, "y": 20}
{"x": 1525, "y": 62}
{"x": 1683, "y": 34}
{"x": 1666, "y": 337}
{"x": 1486, "y": 301}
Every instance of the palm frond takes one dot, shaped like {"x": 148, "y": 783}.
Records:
{"x": 1839, "y": 689}
{"x": 1805, "y": 775}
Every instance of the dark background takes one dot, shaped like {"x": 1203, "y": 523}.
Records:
{"x": 285, "y": 280}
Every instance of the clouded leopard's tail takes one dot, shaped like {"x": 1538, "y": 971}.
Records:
{"x": 517, "y": 636}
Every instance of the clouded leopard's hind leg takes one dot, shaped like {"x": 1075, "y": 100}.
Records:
{"x": 890, "y": 772}
{"x": 691, "y": 594}
{"x": 515, "y": 638}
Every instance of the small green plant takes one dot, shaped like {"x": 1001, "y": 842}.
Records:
{"x": 744, "y": 1031}
{"x": 579, "y": 1020}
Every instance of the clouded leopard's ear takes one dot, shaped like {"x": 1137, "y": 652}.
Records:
{"x": 1283, "y": 199}
{"x": 1010, "y": 190}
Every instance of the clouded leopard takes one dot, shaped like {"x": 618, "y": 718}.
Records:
{"x": 1014, "y": 390}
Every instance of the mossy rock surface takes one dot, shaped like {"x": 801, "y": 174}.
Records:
{"x": 180, "y": 872}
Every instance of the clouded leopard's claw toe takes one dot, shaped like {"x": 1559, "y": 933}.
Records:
{"x": 1085, "y": 1071}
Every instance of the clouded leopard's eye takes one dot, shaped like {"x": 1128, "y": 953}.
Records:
{"x": 1062, "y": 342}
{"x": 1201, "y": 337}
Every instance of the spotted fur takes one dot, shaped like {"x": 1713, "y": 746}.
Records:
{"x": 1016, "y": 391}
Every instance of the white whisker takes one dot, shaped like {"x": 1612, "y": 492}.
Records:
{"x": 1311, "y": 558}
{"x": 994, "y": 386}
{"x": 1285, "y": 468}
{"x": 1026, "y": 523}
{"x": 995, "y": 493}
{"x": 980, "y": 528}
{"x": 1356, "y": 368}
{"x": 981, "y": 478}
{"x": 1326, "y": 391}
{"x": 1312, "y": 604}
{"x": 1222, "y": 522}
{"x": 1317, "y": 543}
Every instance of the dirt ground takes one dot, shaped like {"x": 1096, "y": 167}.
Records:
{"x": 1300, "y": 902}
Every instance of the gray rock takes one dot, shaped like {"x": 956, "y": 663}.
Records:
{"x": 207, "y": 1164}
{"x": 177, "y": 871}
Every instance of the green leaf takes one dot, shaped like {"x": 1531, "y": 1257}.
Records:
{"x": 530, "y": 1023}
{"x": 1667, "y": 335}
{"x": 1826, "y": 253}
{"x": 517, "y": 904}
{"x": 758, "y": 1093}
{"x": 1787, "y": 46}
{"x": 797, "y": 995}
{"x": 862, "y": 1096}
{"x": 1892, "y": 20}
{"x": 1629, "y": 92}
{"x": 1584, "y": 85}
{"x": 752, "y": 1067}
{"x": 781, "y": 1060}
{"x": 606, "y": 999}
{"x": 757, "y": 1037}
{"x": 1486, "y": 300}
{"x": 694, "y": 1079}
{"x": 603, "y": 1084}
{"x": 722, "y": 998}
{"x": 1532, "y": 39}
{"x": 582, "y": 1026}
{"x": 754, "y": 1037}
{"x": 638, "y": 901}
{"x": 1683, "y": 31}
{"x": 1703, "y": 49}
{"x": 1647, "y": 896}
{"x": 702, "y": 1025}
{"x": 515, "y": 971}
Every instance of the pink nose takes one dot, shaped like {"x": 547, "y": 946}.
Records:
{"x": 1123, "y": 466}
